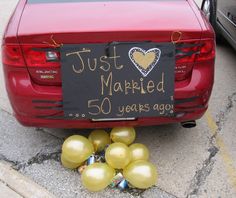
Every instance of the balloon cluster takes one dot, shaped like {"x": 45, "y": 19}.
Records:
{"x": 113, "y": 160}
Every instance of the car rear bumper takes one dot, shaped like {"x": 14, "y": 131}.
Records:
{"x": 58, "y": 123}
{"x": 42, "y": 106}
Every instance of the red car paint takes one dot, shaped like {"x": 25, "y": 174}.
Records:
{"x": 47, "y": 25}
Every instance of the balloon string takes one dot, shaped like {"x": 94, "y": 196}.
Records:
{"x": 54, "y": 43}
{"x": 176, "y": 37}
{"x": 95, "y": 147}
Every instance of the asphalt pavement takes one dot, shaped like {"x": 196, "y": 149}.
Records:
{"x": 198, "y": 162}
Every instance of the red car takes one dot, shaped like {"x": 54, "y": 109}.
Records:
{"x": 106, "y": 63}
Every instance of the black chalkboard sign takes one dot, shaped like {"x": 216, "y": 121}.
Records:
{"x": 118, "y": 80}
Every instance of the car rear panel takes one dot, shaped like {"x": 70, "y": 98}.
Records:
{"x": 38, "y": 101}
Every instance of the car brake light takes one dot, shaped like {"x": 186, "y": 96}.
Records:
{"x": 41, "y": 56}
{"x": 43, "y": 63}
{"x": 185, "y": 57}
{"x": 32, "y": 55}
{"x": 207, "y": 50}
{"x": 12, "y": 55}
{"x": 190, "y": 52}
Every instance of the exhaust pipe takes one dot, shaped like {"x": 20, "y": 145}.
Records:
{"x": 189, "y": 124}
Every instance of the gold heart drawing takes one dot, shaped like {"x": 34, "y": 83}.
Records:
{"x": 143, "y": 60}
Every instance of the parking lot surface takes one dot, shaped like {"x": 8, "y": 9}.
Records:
{"x": 198, "y": 162}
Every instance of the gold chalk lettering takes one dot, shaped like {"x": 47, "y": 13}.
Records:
{"x": 144, "y": 108}
{"x": 160, "y": 86}
{"x": 115, "y": 57}
{"x": 107, "y": 83}
{"x": 162, "y": 109}
{"x": 127, "y": 87}
{"x": 98, "y": 107}
{"x": 150, "y": 86}
{"x": 95, "y": 64}
{"x": 127, "y": 109}
{"x": 118, "y": 87}
{"x": 134, "y": 108}
{"x": 92, "y": 104}
{"x": 168, "y": 107}
{"x": 106, "y": 101}
{"x": 142, "y": 89}
{"x": 107, "y": 65}
{"x": 121, "y": 110}
{"x": 78, "y": 53}
{"x": 135, "y": 86}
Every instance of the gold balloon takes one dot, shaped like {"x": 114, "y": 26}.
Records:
{"x": 99, "y": 139}
{"x": 118, "y": 155}
{"x": 141, "y": 174}
{"x": 77, "y": 149}
{"x": 139, "y": 152}
{"x": 97, "y": 176}
{"x": 68, "y": 164}
{"x": 124, "y": 135}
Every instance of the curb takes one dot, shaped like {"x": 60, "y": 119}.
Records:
{"x": 12, "y": 182}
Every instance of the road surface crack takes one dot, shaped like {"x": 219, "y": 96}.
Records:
{"x": 4, "y": 158}
{"x": 45, "y": 131}
{"x": 39, "y": 158}
{"x": 201, "y": 174}
{"x": 223, "y": 115}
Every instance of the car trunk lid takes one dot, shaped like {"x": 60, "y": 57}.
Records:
{"x": 92, "y": 21}
{"x": 49, "y": 24}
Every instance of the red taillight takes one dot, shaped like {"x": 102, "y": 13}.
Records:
{"x": 30, "y": 55}
{"x": 43, "y": 63}
{"x": 190, "y": 52}
{"x": 207, "y": 50}
{"x": 12, "y": 55}
{"x": 41, "y": 56}
{"x": 185, "y": 57}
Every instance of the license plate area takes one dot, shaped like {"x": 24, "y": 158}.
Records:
{"x": 118, "y": 80}
{"x": 113, "y": 119}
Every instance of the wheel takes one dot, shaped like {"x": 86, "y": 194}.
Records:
{"x": 209, "y": 9}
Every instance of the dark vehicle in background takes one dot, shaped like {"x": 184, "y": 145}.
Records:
{"x": 222, "y": 16}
